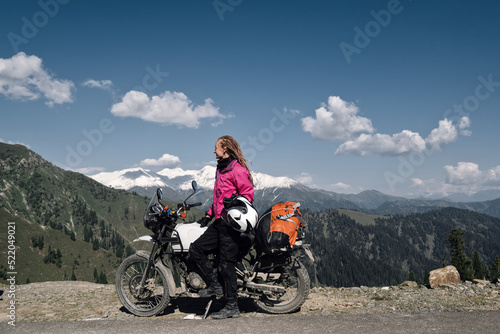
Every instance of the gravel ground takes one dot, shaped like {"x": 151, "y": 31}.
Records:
{"x": 80, "y": 301}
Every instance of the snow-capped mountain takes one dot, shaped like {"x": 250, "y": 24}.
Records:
{"x": 176, "y": 182}
{"x": 139, "y": 180}
{"x": 176, "y": 185}
{"x": 205, "y": 177}
{"x": 130, "y": 178}
{"x": 179, "y": 179}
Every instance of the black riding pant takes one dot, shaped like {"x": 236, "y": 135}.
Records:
{"x": 219, "y": 236}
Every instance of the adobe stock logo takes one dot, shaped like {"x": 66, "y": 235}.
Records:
{"x": 93, "y": 138}
{"x": 471, "y": 103}
{"x": 254, "y": 144}
{"x": 30, "y": 28}
{"x": 222, "y": 6}
{"x": 372, "y": 29}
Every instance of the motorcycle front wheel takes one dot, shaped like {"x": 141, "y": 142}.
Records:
{"x": 295, "y": 279}
{"x": 154, "y": 298}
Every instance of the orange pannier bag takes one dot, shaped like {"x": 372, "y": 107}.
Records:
{"x": 277, "y": 228}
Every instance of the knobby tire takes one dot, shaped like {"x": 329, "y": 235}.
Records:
{"x": 297, "y": 292}
{"x": 154, "y": 299}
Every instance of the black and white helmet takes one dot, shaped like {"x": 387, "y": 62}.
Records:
{"x": 240, "y": 214}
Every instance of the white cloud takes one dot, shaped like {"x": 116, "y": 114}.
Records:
{"x": 340, "y": 187}
{"x": 467, "y": 173}
{"x": 169, "y": 108}
{"x": 88, "y": 170}
{"x": 465, "y": 177}
{"x": 463, "y": 126}
{"x": 23, "y": 77}
{"x": 102, "y": 84}
{"x": 13, "y": 142}
{"x": 445, "y": 133}
{"x": 383, "y": 144}
{"x": 405, "y": 141}
{"x": 306, "y": 179}
{"x": 433, "y": 188}
{"x": 166, "y": 160}
{"x": 337, "y": 121}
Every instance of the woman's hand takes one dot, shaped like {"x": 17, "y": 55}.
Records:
{"x": 204, "y": 221}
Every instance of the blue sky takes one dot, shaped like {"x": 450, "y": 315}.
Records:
{"x": 398, "y": 96}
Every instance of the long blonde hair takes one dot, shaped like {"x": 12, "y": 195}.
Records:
{"x": 234, "y": 150}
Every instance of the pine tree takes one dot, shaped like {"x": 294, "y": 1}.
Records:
{"x": 34, "y": 242}
{"x": 128, "y": 251}
{"x": 426, "y": 277}
{"x": 495, "y": 269}
{"x": 40, "y": 242}
{"x": 95, "y": 244}
{"x": 102, "y": 278}
{"x": 480, "y": 270}
{"x": 412, "y": 276}
{"x": 96, "y": 278}
{"x": 459, "y": 259}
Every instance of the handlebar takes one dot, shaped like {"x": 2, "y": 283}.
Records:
{"x": 162, "y": 211}
{"x": 187, "y": 206}
{"x": 180, "y": 212}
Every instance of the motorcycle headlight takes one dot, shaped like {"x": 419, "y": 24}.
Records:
{"x": 150, "y": 221}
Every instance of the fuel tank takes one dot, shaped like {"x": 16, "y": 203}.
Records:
{"x": 187, "y": 234}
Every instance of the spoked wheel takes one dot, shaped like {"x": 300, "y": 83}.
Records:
{"x": 295, "y": 279}
{"x": 153, "y": 299}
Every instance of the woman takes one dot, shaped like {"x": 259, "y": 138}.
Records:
{"x": 232, "y": 177}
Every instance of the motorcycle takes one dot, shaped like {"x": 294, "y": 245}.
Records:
{"x": 278, "y": 283}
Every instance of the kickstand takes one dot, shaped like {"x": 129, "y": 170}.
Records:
{"x": 207, "y": 309}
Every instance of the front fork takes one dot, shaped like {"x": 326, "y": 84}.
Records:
{"x": 151, "y": 260}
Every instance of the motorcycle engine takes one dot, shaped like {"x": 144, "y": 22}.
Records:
{"x": 195, "y": 281}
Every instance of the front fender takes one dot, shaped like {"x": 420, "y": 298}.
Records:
{"x": 165, "y": 270}
{"x": 149, "y": 238}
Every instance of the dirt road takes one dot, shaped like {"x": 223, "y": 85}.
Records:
{"x": 481, "y": 322}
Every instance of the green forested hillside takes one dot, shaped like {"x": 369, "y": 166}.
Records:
{"x": 44, "y": 254}
{"x": 69, "y": 210}
{"x": 69, "y": 226}
{"x": 382, "y": 250}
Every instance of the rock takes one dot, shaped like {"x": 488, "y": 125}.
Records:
{"x": 448, "y": 286}
{"x": 481, "y": 283}
{"x": 410, "y": 284}
{"x": 446, "y": 275}
{"x": 80, "y": 301}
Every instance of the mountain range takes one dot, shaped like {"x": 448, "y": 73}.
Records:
{"x": 69, "y": 226}
{"x": 66, "y": 224}
{"x": 176, "y": 183}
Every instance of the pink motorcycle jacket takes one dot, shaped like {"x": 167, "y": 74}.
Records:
{"x": 231, "y": 180}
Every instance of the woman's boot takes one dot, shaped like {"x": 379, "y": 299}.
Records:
{"x": 229, "y": 311}
{"x": 214, "y": 288}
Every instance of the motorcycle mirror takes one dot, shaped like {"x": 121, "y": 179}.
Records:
{"x": 159, "y": 193}
{"x": 195, "y": 186}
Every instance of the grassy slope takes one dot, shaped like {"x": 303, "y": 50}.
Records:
{"x": 29, "y": 260}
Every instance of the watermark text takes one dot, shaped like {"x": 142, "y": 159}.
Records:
{"x": 11, "y": 273}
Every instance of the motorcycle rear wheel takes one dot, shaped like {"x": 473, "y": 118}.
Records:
{"x": 295, "y": 279}
{"x": 155, "y": 297}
